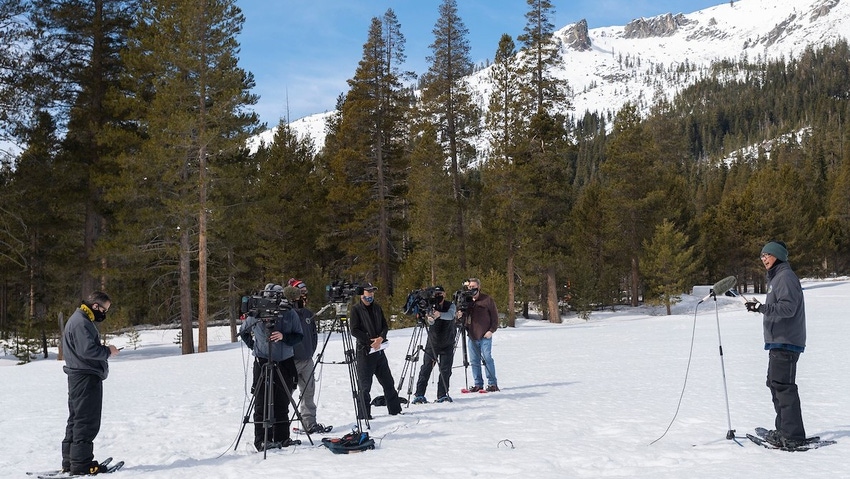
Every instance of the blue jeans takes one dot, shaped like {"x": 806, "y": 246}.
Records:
{"x": 480, "y": 349}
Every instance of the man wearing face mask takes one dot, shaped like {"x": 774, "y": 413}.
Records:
{"x": 369, "y": 326}
{"x": 86, "y": 366}
{"x": 483, "y": 322}
{"x": 439, "y": 349}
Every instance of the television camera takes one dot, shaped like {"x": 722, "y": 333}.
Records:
{"x": 463, "y": 298}
{"x": 267, "y": 304}
{"x": 340, "y": 291}
{"x": 421, "y": 302}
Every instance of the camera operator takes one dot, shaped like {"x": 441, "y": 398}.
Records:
{"x": 273, "y": 338}
{"x": 296, "y": 293}
{"x": 369, "y": 326}
{"x": 439, "y": 348}
{"x": 482, "y": 323}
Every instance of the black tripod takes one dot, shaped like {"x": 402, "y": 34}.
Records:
{"x": 340, "y": 324}
{"x": 412, "y": 356}
{"x": 269, "y": 373}
{"x": 462, "y": 338}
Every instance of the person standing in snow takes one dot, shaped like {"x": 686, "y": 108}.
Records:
{"x": 86, "y": 364}
{"x": 272, "y": 339}
{"x": 369, "y": 327}
{"x": 482, "y": 323}
{"x": 784, "y": 323}
{"x": 296, "y": 293}
{"x": 439, "y": 348}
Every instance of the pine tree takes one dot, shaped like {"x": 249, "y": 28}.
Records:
{"x": 447, "y": 100}
{"x": 77, "y": 45}
{"x": 636, "y": 192}
{"x": 188, "y": 94}
{"x": 366, "y": 160}
{"x": 540, "y": 56}
{"x": 15, "y": 94}
{"x": 668, "y": 265}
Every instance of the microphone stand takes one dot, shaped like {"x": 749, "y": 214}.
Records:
{"x": 730, "y": 433}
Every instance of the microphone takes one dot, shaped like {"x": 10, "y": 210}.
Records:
{"x": 721, "y": 287}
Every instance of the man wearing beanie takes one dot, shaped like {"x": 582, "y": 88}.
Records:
{"x": 784, "y": 338}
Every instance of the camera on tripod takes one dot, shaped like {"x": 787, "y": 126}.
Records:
{"x": 421, "y": 302}
{"x": 463, "y": 298}
{"x": 340, "y": 291}
{"x": 266, "y": 305}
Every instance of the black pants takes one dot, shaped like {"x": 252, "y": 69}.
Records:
{"x": 781, "y": 379}
{"x": 85, "y": 403}
{"x": 444, "y": 357}
{"x": 278, "y": 412}
{"x": 376, "y": 365}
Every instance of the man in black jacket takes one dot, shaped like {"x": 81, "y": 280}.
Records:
{"x": 439, "y": 348}
{"x": 86, "y": 366}
{"x": 784, "y": 324}
{"x": 369, "y": 326}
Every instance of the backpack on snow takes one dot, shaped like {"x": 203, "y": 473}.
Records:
{"x": 353, "y": 442}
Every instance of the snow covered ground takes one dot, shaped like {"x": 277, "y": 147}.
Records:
{"x": 579, "y": 399}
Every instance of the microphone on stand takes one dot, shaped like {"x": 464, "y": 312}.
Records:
{"x": 720, "y": 288}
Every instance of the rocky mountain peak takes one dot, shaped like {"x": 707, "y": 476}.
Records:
{"x": 660, "y": 26}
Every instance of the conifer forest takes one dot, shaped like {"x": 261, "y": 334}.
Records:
{"x": 132, "y": 173}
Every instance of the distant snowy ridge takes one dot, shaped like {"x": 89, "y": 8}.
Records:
{"x": 654, "y": 58}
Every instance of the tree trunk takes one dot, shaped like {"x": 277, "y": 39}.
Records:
{"x": 510, "y": 314}
{"x": 635, "y": 281}
{"x": 185, "y": 288}
{"x": 202, "y": 254}
{"x": 61, "y": 320}
{"x": 552, "y": 296}
{"x": 231, "y": 293}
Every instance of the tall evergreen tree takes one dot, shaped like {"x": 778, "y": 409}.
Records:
{"x": 447, "y": 100}
{"x": 367, "y": 161}
{"x": 636, "y": 191}
{"x": 15, "y": 93}
{"x": 77, "y": 45}
{"x": 541, "y": 56}
{"x": 189, "y": 96}
{"x": 544, "y": 149}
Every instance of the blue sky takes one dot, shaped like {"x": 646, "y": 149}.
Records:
{"x": 302, "y": 52}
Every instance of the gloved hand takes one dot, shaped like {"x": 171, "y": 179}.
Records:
{"x": 248, "y": 338}
{"x": 753, "y": 306}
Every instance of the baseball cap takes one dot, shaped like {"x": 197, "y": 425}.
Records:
{"x": 369, "y": 287}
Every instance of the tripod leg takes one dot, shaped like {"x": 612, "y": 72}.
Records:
{"x": 246, "y": 419}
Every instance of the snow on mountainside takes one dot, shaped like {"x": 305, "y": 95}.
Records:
{"x": 654, "y": 58}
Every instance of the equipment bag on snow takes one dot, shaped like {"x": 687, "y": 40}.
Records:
{"x": 353, "y": 442}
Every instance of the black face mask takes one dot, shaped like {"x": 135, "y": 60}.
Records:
{"x": 473, "y": 291}
{"x": 99, "y": 316}
{"x": 439, "y": 298}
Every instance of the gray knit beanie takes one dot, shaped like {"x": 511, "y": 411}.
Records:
{"x": 777, "y": 249}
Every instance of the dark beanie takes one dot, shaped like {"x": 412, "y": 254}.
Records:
{"x": 777, "y": 249}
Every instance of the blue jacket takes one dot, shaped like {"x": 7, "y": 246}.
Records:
{"x": 81, "y": 347}
{"x": 307, "y": 347}
{"x": 784, "y": 309}
{"x": 286, "y": 322}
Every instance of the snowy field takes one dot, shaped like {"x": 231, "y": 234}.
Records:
{"x": 579, "y": 400}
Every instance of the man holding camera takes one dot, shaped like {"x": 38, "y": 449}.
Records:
{"x": 482, "y": 323}
{"x": 439, "y": 348}
{"x": 369, "y": 326}
{"x": 272, "y": 339}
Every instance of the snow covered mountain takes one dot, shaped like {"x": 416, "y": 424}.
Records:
{"x": 652, "y": 58}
